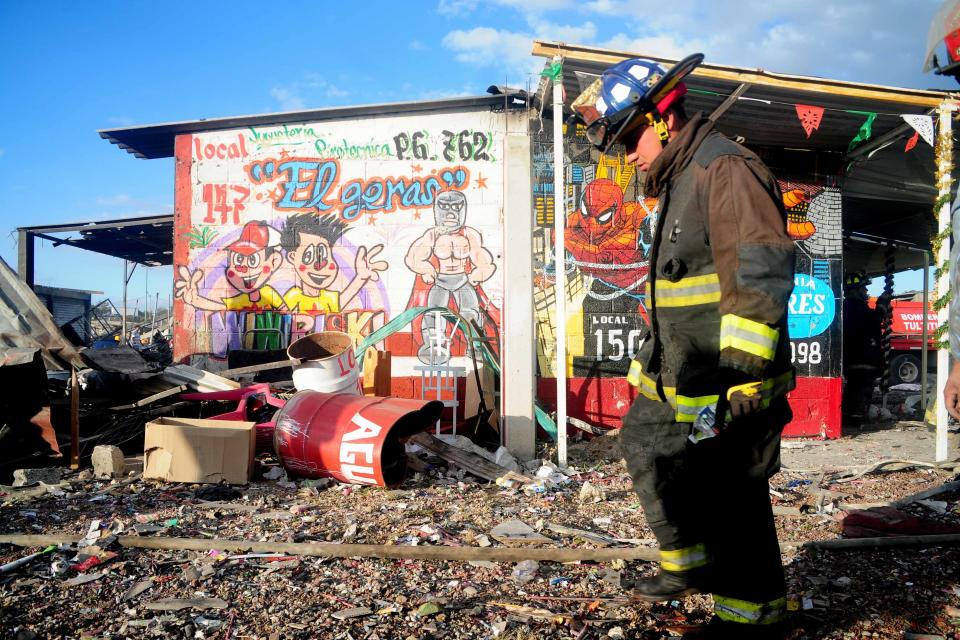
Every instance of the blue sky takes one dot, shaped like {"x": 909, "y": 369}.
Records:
{"x": 72, "y": 68}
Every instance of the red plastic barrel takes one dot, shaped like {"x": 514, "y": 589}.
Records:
{"x": 354, "y": 439}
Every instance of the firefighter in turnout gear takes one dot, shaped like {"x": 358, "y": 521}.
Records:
{"x": 702, "y": 438}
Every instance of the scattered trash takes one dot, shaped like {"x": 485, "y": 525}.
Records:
{"x": 591, "y": 493}
{"x": 275, "y": 473}
{"x": 356, "y": 612}
{"x": 516, "y": 532}
{"x": 176, "y": 604}
{"x": 428, "y": 609}
{"x": 525, "y": 571}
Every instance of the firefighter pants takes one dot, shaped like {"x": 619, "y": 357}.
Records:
{"x": 713, "y": 494}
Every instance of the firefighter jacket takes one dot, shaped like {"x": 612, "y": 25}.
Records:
{"x": 721, "y": 275}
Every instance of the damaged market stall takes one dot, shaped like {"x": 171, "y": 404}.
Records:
{"x": 853, "y": 161}
{"x": 346, "y": 219}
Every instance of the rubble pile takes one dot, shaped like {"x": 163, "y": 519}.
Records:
{"x": 97, "y": 587}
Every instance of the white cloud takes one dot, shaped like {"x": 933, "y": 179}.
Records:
{"x": 536, "y": 6}
{"x": 3, "y": 152}
{"x": 857, "y": 40}
{"x": 657, "y": 46}
{"x": 416, "y": 45}
{"x": 485, "y": 46}
{"x": 115, "y": 200}
{"x": 854, "y": 40}
{"x": 440, "y": 94}
{"x": 511, "y": 51}
{"x": 581, "y": 34}
{"x": 456, "y": 7}
{"x": 313, "y": 90}
{"x": 608, "y": 7}
{"x": 288, "y": 98}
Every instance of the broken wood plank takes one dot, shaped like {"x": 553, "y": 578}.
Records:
{"x": 596, "y": 538}
{"x": 515, "y": 531}
{"x": 197, "y": 379}
{"x": 789, "y": 512}
{"x": 402, "y": 552}
{"x": 172, "y": 391}
{"x": 473, "y": 463}
{"x": 257, "y": 368}
{"x": 892, "y": 541}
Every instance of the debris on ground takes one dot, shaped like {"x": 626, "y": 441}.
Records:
{"x": 215, "y": 560}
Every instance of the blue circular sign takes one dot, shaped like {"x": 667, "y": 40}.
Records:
{"x": 812, "y": 307}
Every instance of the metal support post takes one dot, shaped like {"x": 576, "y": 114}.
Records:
{"x": 560, "y": 267}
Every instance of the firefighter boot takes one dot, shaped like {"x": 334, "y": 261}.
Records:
{"x": 718, "y": 629}
{"x": 671, "y": 585}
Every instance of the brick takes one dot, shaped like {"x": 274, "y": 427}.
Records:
{"x": 107, "y": 461}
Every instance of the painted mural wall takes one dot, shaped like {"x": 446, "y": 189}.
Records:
{"x": 286, "y": 230}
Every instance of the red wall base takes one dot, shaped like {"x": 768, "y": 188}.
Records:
{"x": 604, "y": 401}
{"x": 816, "y": 408}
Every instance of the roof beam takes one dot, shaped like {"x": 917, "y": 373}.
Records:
{"x": 90, "y": 226}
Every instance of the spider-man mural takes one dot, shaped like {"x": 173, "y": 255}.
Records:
{"x": 609, "y": 239}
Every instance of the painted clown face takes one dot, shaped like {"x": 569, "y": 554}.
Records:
{"x": 313, "y": 261}
{"x": 247, "y": 272}
{"x": 600, "y": 207}
{"x": 450, "y": 210}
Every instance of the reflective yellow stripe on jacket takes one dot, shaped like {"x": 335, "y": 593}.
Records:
{"x": 684, "y": 559}
{"x": 688, "y": 408}
{"x": 687, "y": 292}
{"x": 746, "y": 612}
{"x": 746, "y": 335}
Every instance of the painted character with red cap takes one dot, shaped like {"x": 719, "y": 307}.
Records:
{"x": 308, "y": 240}
{"x": 252, "y": 259}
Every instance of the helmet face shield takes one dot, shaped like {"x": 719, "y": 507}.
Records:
{"x": 604, "y": 132}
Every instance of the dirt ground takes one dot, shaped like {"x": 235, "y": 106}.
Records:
{"x": 104, "y": 590}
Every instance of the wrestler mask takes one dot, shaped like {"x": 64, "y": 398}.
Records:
{"x": 450, "y": 210}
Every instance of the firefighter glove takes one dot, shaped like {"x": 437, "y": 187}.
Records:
{"x": 744, "y": 399}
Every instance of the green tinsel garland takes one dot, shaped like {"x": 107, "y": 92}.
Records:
{"x": 943, "y": 157}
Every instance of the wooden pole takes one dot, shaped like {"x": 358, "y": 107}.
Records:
{"x": 74, "y": 420}
{"x": 388, "y": 551}
{"x": 456, "y": 554}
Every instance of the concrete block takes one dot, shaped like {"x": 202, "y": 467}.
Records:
{"x": 107, "y": 461}
{"x": 48, "y": 475}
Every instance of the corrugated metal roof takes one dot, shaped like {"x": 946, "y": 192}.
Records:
{"x": 156, "y": 140}
{"x": 145, "y": 240}
{"x": 26, "y": 324}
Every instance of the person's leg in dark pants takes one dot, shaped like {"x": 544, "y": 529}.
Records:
{"x": 748, "y": 581}
{"x": 655, "y": 449}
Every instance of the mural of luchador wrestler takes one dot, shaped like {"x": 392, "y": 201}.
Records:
{"x": 308, "y": 239}
{"x": 252, "y": 260}
{"x": 451, "y": 258}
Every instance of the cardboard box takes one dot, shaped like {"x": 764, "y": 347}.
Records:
{"x": 190, "y": 450}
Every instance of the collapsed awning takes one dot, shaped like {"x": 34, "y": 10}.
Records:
{"x": 145, "y": 240}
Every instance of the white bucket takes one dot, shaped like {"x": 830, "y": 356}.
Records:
{"x": 328, "y": 363}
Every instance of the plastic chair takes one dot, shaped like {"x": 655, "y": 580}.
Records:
{"x": 441, "y": 380}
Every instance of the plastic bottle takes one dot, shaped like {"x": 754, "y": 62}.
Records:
{"x": 705, "y": 425}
